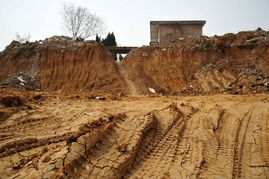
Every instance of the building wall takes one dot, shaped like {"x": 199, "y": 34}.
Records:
{"x": 170, "y": 32}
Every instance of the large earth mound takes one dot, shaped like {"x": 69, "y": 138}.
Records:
{"x": 59, "y": 63}
{"x": 233, "y": 63}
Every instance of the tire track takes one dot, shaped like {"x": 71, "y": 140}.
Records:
{"x": 265, "y": 139}
{"x": 215, "y": 150}
{"x": 240, "y": 142}
{"x": 159, "y": 149}
{"x": 111, "y": 152}
{"x": 29, "y": 143}
{"x": 26, "y": 124}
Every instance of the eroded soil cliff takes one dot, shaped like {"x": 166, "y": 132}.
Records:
{"x": 59, "y": 63}
{"x": 233, "y": 63}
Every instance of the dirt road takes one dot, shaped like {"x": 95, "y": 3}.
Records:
{"x": 132, "y": 88}
{"x": 54, "y": 135}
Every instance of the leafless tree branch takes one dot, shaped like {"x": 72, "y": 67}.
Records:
{"x": 80, "y": 22}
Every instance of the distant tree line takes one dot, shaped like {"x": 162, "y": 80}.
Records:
{"x": 110, "y": 39}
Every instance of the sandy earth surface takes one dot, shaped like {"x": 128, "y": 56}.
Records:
{"x": 75, "y": 136}
{"x": 68, "y": 110}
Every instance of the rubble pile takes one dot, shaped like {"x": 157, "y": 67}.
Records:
{"x": 60, "y": 63}
{"x": 64, "y": 40}
{"x": 242, "y": 39}
{"x": 192, "y": 65}
{"x": 216, "y": 78}
{"x": 21, "y": 81}
{"x": 52, "y": 41}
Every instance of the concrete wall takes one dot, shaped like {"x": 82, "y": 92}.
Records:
{"x": 170, "y": 32}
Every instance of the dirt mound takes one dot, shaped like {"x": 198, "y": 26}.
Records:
{"x": 233, "y": 63}
{"x": 169, "y": 137}
{"x": 21, "y": 81}
{"x": 258, "y": 37}
{"x": 60, "y": 63}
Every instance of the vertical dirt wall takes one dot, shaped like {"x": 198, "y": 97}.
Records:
{"x": 171, "y": 68}
{"x": 84, "y": 68}
{"x": 65, "y": 67}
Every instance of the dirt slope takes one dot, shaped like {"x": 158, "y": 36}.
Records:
{"x": 233, "y": 63}
{"x": 60, "y": 63}
{"x": 219, "y": 136}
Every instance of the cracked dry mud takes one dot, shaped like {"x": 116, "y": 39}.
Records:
{"x": 59, "y": 136}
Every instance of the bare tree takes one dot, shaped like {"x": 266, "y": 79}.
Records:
{"x": 80, "y": 22}
{"x": 22, "y": 38}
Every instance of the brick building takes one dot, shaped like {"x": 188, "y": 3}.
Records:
{"x": 164, "y": 32}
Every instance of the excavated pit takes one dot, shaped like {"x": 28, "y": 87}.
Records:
{"x": 68, "y": 110}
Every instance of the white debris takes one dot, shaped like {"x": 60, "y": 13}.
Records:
{"x": 100, "y": 98}
{"x": 21, "y": 80}
{"x": 144, "y": 54}
{"x": 152, "y": 90}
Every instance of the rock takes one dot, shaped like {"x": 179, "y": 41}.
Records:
{"x": 13, "y": 44}
{"x": 100, "y": 98}
{"x": 21, "y": 81}
{"x": 152, "y": 90}
{"x": 254, "y": 40}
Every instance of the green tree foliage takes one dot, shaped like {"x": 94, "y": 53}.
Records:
{"x": 98, "y": 38}
{"x": 110, "y": 40}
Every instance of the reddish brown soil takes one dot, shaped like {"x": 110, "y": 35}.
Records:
{"x": 202, "y": 65}
{"x": 75, "y": 136}
{"x": 67, "y": 110}
{"x": 76, "y": 66}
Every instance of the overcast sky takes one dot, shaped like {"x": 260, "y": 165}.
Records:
{"x": 129, "y": 19}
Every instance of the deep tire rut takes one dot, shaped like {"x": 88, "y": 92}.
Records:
{"x": 180, "y": 140}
